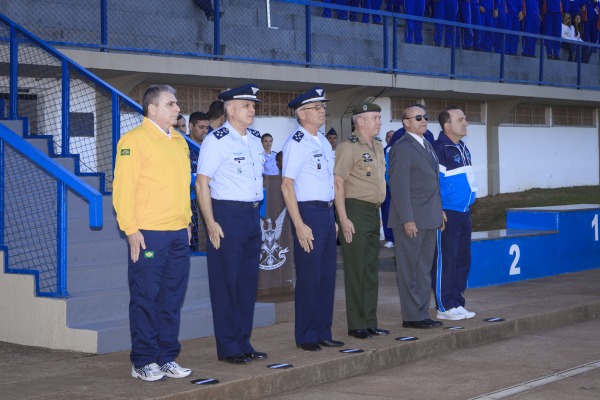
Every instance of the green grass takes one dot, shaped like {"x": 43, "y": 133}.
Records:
{"x": 489, "y": 212}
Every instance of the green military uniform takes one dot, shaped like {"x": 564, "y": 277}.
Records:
{"x": 362, "y": 169}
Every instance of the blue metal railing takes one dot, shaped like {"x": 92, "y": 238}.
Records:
{"x": 316, "y": 41}
{"x": 64, "y": 179}
{"x": 33, "y": 222}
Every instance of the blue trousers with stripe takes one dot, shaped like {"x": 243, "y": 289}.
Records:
{"x": 233, "y": 276}
{"x": 315, "y": 275}
{"x": 453, "y": 261}
{"x": 157, "y": 286}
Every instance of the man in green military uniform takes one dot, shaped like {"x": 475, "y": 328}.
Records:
{"x": 359, "y": 191}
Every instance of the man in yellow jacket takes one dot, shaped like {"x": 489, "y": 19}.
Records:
{"x": 151, "y": 199}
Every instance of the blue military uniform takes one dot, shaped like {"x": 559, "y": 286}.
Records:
{"x": 464, "y": 16}
{"x": 531, "y": 24}
{"x": 445, "y": 10}
{"x": 309, "y": 160}
{"x": 458, "y": 191}
{"x": 514, "y": 7}
{"x": 234, "y": 163}
{"x": 413, "y": 32}
{"x": 552, "y": 26}
{"x": 476, "y": 21}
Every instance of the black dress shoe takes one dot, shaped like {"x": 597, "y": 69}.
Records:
{"x": 310, "y": 346}
{"x": 423, "y": 324}
{"x": 257, "y": 355}
{"x": 435, "y": 324}
{"x": 236, "y": 359}
{"x": 359, "y": 333}
{"x": 378, "y": 332}
{"x": 331, "y": 343}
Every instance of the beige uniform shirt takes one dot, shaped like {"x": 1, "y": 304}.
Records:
{"x": 363, "y": 169}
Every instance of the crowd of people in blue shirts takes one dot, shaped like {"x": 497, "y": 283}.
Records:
{"x": 529, "y": 16}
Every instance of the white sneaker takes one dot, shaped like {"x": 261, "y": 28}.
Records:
{"x": 451, "y": 314}
{"x": 467, "y": 313}
{"x": 148, "y": 373}
{"x": 389, "y": 245}
{"x": 174, "y": 370}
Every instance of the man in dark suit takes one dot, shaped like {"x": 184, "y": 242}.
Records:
{"x": 415, "y": 215}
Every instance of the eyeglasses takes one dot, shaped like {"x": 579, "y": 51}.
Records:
{"x": 419, "y": 117}
{"x": 318, "y": 107}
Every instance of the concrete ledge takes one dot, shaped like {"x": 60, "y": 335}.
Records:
{"x": 527, "y": 306}
{"x": 430, "y": 343}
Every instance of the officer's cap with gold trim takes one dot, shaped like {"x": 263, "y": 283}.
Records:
{"x": 246, "y": 92}
{"x": 365, "y": 107}
{"x": 311, "y": 96}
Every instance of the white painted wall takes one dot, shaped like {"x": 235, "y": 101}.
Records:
{"x": 540, "y": 157}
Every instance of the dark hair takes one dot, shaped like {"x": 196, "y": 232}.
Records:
{"x": 152, "y": 94}
{"x": 180, "y": 117}
{"x": 421, "y": 106}
{"x": 265, "y": 135}
{"x": 578, "y": 27}
{"x": 216, "y": 109}
{"x": 198, "y": 116}
{"x": 279, "y": 156}
{"x": 444, "y": 116}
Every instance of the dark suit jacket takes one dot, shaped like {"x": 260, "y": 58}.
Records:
{"x": 414, "y": 186}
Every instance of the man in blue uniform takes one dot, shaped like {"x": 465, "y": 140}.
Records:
{"x": 458, "y": 191}
{"x": 488, "y": 19}
{"x": 229, "y": 187}
{"x": 307, "y": 187}
{"x": 552, "y": 27}
{"x": 514, "y": 16}
{"x": 476, "y": 22}
{"x": 464, "y": 16}
{"x": 590, "y": 28}
{"x": 531, "y": 24}
{"x": 413, "y": 32}
{"x": 445, "y": 10}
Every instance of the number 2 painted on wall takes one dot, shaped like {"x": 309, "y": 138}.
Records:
{"x": 514, "y": 250}
{"x": 595, "y": 226}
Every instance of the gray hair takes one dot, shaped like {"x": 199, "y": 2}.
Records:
{"x": 152, "y": 94}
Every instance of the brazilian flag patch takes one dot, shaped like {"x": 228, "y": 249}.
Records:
{"x": 148, "y": 254}
{"x": 125, "y": 152}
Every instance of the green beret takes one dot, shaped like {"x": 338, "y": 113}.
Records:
{"x": 365, "y": 107}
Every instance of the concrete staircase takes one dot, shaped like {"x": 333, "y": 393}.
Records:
{"x": 97, "y": 280}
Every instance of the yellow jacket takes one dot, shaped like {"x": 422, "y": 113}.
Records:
{"x": 151, "y": 188}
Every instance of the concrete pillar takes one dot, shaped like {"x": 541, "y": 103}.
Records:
{"x": 496, "y": 112}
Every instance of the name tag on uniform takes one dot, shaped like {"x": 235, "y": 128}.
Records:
{"x": 317, "y": 155}
{"x": 238, "y": 159}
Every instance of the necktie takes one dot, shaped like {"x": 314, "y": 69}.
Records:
{"x": 430, "y": 150}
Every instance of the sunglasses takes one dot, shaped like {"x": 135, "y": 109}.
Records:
{"x": 420, "y": 117}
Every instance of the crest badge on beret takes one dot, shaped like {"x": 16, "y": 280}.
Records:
{"x": 365, "y": 107}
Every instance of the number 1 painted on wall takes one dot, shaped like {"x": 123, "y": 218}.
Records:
{"x": 595, "y": 226}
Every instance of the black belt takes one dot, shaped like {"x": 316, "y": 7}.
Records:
{"x": 233, "y": 203}
{"x": 316, "y": 203}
